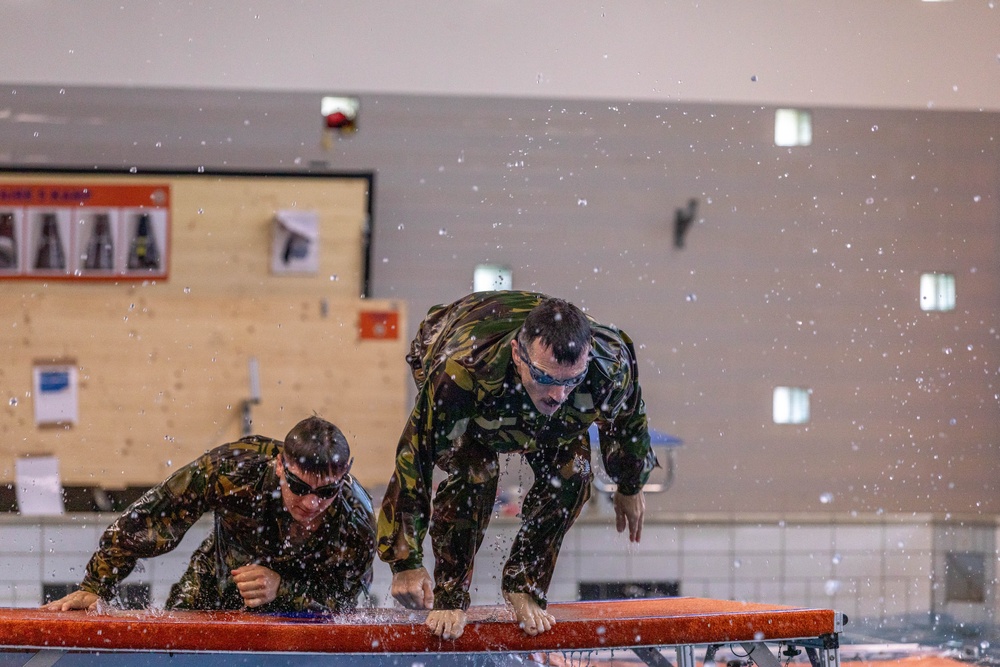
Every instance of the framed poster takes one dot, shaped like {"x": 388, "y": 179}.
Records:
{"x": 91, "y": 231}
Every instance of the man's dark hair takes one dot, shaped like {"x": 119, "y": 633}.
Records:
{"x": 561, "y": 326}
{"x": 316, "y": 446}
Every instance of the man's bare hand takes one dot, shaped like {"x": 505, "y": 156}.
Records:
{"x": 530, "y": 617}
{"x": 628, "y": 513}
{"x": 446, "y": 623}
{"x": 75, "y": 600}
{"x": 257, "y": 584}
{"x": 414, "y": 589}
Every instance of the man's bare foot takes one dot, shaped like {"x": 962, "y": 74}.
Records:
{"x": 530, "y": 617}
{"x": 446, "y": 623}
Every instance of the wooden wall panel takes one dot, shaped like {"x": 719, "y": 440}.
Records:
{"x": 164, "y": 368}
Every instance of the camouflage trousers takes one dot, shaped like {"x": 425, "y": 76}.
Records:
{"x": 463, "y": 506}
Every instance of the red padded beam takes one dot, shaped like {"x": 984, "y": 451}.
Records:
{"x": 579, "y": 626}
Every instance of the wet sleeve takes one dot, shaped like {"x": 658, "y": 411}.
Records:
{"x": 151, "y": 526}
{"x": 625, "y": 448}
{"x": 441, "y": 408}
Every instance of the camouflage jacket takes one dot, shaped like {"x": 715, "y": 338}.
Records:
{"x": 468, "y": 388}
{"x": 324, "y": 572}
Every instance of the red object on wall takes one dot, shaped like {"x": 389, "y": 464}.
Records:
{"x": 379, "y": 325}
{"x": 338, "y": 120}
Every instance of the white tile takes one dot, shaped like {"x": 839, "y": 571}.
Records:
{"x": 487, "y": 577}
{"x": 719, "y": 590}
{"x": 818, "y": 592}
{"x": 661, "y": 538}
{"x": 754, "y": 539}
{"x": 808, "y": 538}
{"x": 648, "y": 567}
{"x": 707, "y": 566}
{"x": 857, "y": 538}
{"x": 912, "y": 563}
{"x": 696, "y": 588}
{"x": 770, "y": 592}
{"x": 20, "y": 539}
{"x": 757, "y": 566}
{"x": 603, "y": 568}
{"x": 563, "y": 592}
{"x": 896, "y": 599}
{"x": 808, "y": 566}
{"x": 71, "y": 538}
{"x": 908, "y": 536}
{"x": 868, "y": 607}
{"x": 858, "y": 564}
{"x": 58, "y": 568}
{"x": 7, "y": 597}
{"x": 745, "y": 591}
{"x": 566, "y": 569}
{"x": 485, "y": 592}
{"x": 844, "y": 603}
{"x": 603, "y": 540}
{"x": 28, "y": 594}
{"x": 382, "y": 583}
{"x": 158, "y": 594}
{"x": 796, "y": 592}
{"x": 20, "y": 568}
{"x": 920, "y": 594}
{"x": 707, "y": 539}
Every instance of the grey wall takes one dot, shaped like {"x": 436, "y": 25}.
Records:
{"x": 802, "y": 268}
{"x": 854, "y": 53}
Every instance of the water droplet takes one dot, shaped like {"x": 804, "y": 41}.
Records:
{"x": 826, "y": 498}
{"x": 400, "y": 227}
{"x": 442, "y": 232}
{"x": 13, "y": 401}
{"x": 581, "y": 202}
{"x": 187, "y": 290}
{"x": 691, "y": 298}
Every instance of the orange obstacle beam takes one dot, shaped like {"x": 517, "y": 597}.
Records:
{"x": 579, "y": 626}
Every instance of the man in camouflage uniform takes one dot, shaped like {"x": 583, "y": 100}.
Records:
{"x": 293, "y": 531}
{"x": 502, "y": 372}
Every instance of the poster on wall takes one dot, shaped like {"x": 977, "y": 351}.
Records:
{"x": 76, "y": 232}
{"x": 295, "y": 242}
{"x": 38, "y": 486}
{"x": 55, "y": 394}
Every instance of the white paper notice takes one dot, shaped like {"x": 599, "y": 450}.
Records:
{"x": 55, "y": 394}
{"x": 39, "y": 487}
